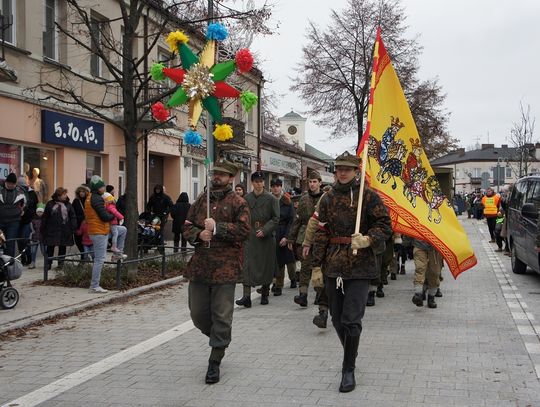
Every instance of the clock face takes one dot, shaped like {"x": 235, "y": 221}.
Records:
{"x": 292, "y": 129}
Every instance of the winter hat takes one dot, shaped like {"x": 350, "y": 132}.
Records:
{"x": 11, "y": 178}
{"x": 108, "y": 197}
{"x": 96, "y": 182}
{"x": 22, "y": 181}
{"x": 40, "y": 208}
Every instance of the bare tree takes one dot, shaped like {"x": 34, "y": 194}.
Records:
{"x": 426, "y": 102}
{"x": 522, "y": 138}
{"x": 335, "y": 71}
{"x": 123, "y": 84}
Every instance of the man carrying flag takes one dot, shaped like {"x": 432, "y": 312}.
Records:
{"x": 348, "y": 274}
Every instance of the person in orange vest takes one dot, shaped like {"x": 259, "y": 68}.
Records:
{"x": 491, "y": 202}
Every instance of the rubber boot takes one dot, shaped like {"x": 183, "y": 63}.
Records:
{"x": 301, "y": 299}
{"x": 321, "y": 319}
{"x": 370, "y": 299}
{"x": 350, "y": 351}
{"x": 265, "y": 291}
{"x": 431, "y": 301}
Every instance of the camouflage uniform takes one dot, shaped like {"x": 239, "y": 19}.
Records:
{"x": 214, "y": 271}
{"x": 427, "y": 265}
{"x": 347, "y": 275}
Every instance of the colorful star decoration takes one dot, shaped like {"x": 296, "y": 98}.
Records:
{"x": 201, "y": 82}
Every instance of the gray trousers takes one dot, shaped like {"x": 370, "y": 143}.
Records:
{"x": 211, "y": 308}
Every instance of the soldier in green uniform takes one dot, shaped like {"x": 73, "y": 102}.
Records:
{"x": 347, "y": 276}
{"x": 306, "y": 207}
{"x": 215, "y": 267}
{"x": 260, "y": 263}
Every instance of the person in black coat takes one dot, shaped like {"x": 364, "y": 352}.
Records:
{"x": 58, "y": 224}
{"x": 160, "y": 205}
{"x": 78, "y": 206}
{"x": 26, "y": 218}
{"x": 178, "y": 214}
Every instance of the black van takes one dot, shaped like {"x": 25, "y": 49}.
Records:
{"x": 523, "y": 208}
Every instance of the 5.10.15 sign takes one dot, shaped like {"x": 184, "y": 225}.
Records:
{"x": 71, "y": 131}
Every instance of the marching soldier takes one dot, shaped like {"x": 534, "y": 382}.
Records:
{"x": 215, "y": 267}
{"x": 347, "y": 275}
{"x": 306, "y": 207}
{"x": 260, "y": 263}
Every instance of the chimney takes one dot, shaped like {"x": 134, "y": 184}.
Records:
{"x": 504, "y": 146}
{"x": 486, "y": 146}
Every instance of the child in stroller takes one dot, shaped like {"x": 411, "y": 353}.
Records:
{"x": 149, "y": 232}
{"x": 10, "y": 269}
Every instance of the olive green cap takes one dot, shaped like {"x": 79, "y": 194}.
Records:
{"x": 226, "y": 166}
{"x": 313, "y": 174}
{"x": 347, "y": 160}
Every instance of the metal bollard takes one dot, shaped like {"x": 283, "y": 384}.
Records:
{"x": 45, "y": 266}
{"x": 118, "y": 273}
{"x": 163, "y": 263}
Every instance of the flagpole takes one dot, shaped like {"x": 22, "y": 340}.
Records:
{"x": 362, "y": 144}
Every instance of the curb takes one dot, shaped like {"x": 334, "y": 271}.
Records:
{"x": 73, "y": 309}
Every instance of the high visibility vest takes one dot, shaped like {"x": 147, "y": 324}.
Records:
{"x": 491, "y": 205}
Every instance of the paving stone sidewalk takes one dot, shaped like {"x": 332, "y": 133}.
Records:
{"x": 467, "y": 352}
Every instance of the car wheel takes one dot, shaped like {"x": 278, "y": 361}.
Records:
{"x": 518, "y": 267}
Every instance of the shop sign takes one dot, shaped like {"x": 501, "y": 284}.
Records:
{"x": 196, "y": 150}
{"x": 71, "y": 131}
{"x": 281, "y": 164}
{"x": 238, "y": 158}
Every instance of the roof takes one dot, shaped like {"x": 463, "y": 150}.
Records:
{"x": 293, "y": 115}
{"x": 290, "y": 148}
{"x": 317, "y": 153}
{"x": 487, "y": 153}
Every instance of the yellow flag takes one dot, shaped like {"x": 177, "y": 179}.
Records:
{"x": 399, "y": 170}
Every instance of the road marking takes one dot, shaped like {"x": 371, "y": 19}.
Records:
{"x": 523, "y": 318}
{"x": 69, "y": 381}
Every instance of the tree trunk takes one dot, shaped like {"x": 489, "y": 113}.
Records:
{"x": 132, "y": 211}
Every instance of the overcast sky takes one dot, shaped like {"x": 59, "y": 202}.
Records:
{"x": 485, "y": 53}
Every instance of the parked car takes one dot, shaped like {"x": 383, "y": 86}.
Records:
{"x": 523, "y": 208}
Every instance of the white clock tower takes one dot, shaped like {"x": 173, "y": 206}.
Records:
{"x": 293, "y": 127}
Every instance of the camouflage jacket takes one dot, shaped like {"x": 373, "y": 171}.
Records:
{"x": 221, "y": 263}
{"x": 337, "y": 217}
{"x": 305, "y": 210}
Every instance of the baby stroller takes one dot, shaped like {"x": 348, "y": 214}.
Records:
{"x": 148, "y": 232}
{"x": 10, "y": 269}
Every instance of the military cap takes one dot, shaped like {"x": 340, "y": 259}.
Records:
{"x": 226, "y": 166}
{"x": 347, "y": 160}
{"x": 276, "y": 181}
{"x": 257, "y": 175}
{"x": 313, "y": 174}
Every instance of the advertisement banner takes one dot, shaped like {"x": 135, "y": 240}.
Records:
{"x": 10, "y": 160}
{"x": 280, "y": 164}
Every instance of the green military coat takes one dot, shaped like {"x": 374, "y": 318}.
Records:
{"x": 260, "y": 262}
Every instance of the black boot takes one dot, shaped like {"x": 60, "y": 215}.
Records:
{"x": 277, "y": 292}
{"x": 370, "y": 299}
{"x": 402, "y": 269}
{"x": 431, "y": 301}
{"x": 418, "y": 300}
{"x": 348, "y": 381}
{"x": 320, "y": 320}
{"x": 380, "y": 292}
{"x": 301, "y": 299}
{"x": 274, "y": 288}
{"x": 293, "y": 283}
{"x": 265, "y": 292}
{"x": 393, "y": 276}
{"x": 317, "y": 296}
{"x": 245, "y": 301}
{"x": 212, "y": 374}
{"x": 438, "y": 293}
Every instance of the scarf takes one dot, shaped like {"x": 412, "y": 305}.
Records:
{"x": 61, "y": 207}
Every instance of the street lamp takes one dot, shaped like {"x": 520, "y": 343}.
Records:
{"x": 499, "y": 160}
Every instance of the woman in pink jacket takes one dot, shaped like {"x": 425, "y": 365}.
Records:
{"x": 118, "y": 231}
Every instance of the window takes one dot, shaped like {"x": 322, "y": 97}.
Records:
{"x": 121, "y": 177}
{"x": 165, "y": 58}
{"x": 250, "y": 121}
{"x": 477, "y": 172}
{"x": 518, "y": 195}
{"x": 50, "y": 36}
{"x": 508, "y": 172}
{"x": 7, "y": 9}
{"x": 195, "y": 179}
{"x": 38, "y": 165}
{"x": 96, "y": 68}
{"x": 533, "y": 194}
{"x": 93, "y": 166}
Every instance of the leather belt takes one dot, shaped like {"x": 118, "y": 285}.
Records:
{"x": 340, "y": 240}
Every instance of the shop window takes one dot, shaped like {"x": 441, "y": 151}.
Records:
{"x": 96, "y": 64}
{"x": 121, "y": 177}
{"x": 93, "y": 166}
{"x": 10, "y": 160}
{"x": 7, "y": 10}
{"x": 50, "y": 35}
{"x": 38, "y": 166}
